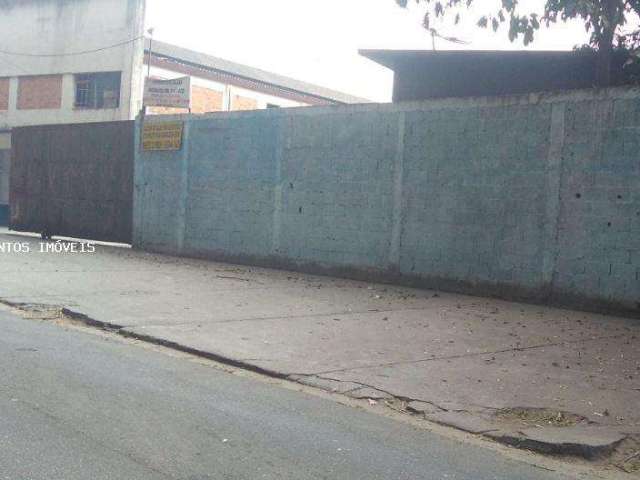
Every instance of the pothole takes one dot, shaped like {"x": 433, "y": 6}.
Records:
{"x": 36, "y": 311}
{"x": 538, "y": 417}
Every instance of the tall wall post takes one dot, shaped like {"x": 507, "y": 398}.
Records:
{"x": 398, "y": 181}
{"x": 184, "y": 186}
{"x": 554, "y": 182}
{"x": 282, "y": 124}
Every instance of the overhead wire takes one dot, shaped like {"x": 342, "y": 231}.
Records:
{"x": 71, "y": 54}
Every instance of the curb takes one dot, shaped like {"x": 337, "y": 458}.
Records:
{"x": 599, "y": 441}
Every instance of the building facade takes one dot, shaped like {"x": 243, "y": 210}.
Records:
{"x": 67, "y": 62}
{"x": 78, "y": 61}
{"x": 86, "y": 61}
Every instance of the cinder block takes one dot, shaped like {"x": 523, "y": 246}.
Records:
{"x": 476, "y": 202}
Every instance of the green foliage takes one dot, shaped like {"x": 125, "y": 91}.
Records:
{"x": 603, "y": 19}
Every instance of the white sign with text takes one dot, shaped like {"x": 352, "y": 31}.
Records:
{"x": 168, "y": 93}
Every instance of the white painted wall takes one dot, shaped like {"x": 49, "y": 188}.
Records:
{"x": 67, "y": 26}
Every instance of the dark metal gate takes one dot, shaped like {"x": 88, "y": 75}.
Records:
{"x": 73, "y": 180}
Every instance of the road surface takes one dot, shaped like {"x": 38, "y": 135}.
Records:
{"x": 78, "y": 406}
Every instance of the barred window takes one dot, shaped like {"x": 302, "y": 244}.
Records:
{"x": 98, "y": 90}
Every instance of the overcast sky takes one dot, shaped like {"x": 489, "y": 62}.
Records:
{"x": 318, "y": 40}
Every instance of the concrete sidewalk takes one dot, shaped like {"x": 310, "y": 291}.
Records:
{"x": 533, "y": 376}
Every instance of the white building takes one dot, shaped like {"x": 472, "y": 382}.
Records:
{"x": 221, "y": 85}
{"x": 72, "y": 61}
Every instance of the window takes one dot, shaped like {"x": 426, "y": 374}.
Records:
{"x": 98, "y": 90}
{"x": 272, "y": 105}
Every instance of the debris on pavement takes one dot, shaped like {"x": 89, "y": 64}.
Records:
{"x": 476, "y": 364}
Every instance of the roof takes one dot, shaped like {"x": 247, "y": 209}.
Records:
{"x": 396, "y": 58}
{"x": 201, "y": 60}
{"x": 428, "y": 74}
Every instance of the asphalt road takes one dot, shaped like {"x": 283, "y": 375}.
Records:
{"x": 76, "y": 406}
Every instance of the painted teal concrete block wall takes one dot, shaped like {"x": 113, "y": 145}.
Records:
{"x": 529, "y": 197}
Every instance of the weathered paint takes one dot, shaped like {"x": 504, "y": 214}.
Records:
{"x": 64, "y": 27}
{"x": 530, "y": 197}
{"x": 73, "y": 180}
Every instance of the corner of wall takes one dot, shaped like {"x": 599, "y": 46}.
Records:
{"x": 137, "y": 62}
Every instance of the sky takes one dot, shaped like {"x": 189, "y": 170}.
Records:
{"x": 318, "y": 40}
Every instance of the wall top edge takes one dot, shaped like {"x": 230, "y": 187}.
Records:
{"x": 570, "y": 96}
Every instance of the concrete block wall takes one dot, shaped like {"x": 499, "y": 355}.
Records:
{"x": 599, "y": 217}
{"x": 528, "y": 197}
{"x": 476, "y": 182}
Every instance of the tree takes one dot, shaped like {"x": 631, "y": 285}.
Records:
{"x": 603, "y": 19}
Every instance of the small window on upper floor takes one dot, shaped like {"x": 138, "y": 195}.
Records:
{"x": 98, "y": 90}
{"x": 272, "y": 105}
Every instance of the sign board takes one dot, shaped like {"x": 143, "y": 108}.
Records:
{"x": 167, "y": 93}
{"x": 161, "y": 136}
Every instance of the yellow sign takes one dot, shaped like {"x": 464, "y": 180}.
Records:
{"x": 162, "y": 136}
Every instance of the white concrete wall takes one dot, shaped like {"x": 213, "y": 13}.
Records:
{"x": 67, "y": 26}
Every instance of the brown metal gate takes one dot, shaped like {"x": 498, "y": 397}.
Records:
{"x": 73, "y": 180}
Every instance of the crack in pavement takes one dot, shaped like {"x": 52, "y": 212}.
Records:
{"x": 362, "y": 385}
{"x": 474, "y": 354}
{"x": 244, "y": 289}
{"x": 288, "y": 317}
{"x": 329, "y": 314}
{"x": 8, "y": 300}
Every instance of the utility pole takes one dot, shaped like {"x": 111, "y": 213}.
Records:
{"x": 150, "y": 32}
